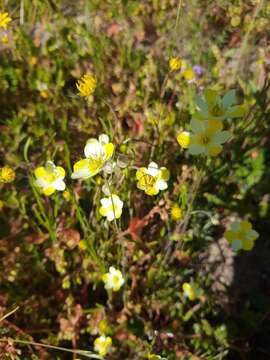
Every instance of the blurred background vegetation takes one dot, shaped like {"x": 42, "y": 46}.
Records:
{"x": 127, "y": 44}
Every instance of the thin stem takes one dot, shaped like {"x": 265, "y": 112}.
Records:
{"x": 79, "y": 352}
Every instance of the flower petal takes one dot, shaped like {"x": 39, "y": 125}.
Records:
{"x": 161, "y": 185}
{"x": 197, "y": 126}
{"x": 221, "y": 137}
{"x": 196, "y": 149}
{"x": 40, "y": 172}
{"x": 92, "y": 148}
{"x": 103, "y": 138}
{"x": 153, "y": 169}
{"x": 229, "y": 99}
{"x": 59, "y": 185}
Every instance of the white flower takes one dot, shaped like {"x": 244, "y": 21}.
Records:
{"x": 111, "y": 207}
{"x": 152, "y": 179}
{"x": 50, "y": 178}
{"x": 113, "y": 279}
{"x": 97, "y": 153}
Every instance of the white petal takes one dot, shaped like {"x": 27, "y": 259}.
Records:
{"x": 93, "y": 148}
{"x": 221, "y": 137}
{"x": 236, "y": 245}
{"x": 106, "y": 202}
{"x": 236, "y": 226}
{"x": 252, "y": 234}
{"x": 110, "y": 216}
{"x": 195, "y": 149}
{"x": 153, "y": 169}
{"x": 81, "y": 174}
{"x": 40, "y": 182}
{"x": 59, "y": 185}
{"x": 103, "y": 138}
{"x": 197, "y": 126}
{"x": 161, "y": 185}
{"x": 229, "y": 99}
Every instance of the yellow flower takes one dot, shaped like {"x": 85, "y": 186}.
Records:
{"x": 241, "y": 235}
{"x": 190, "y": 291}
{"x": 102, "y": 344}
{"x": 4, "y": 39}
{"x": 111, "y": 207}
{"x": 66, "y": 195}
{"x": 50, "y": 178}
{"x": 113, "y": 279}
{"x": 4, "y": 20}
{"x": 86, "y": 85}
{"x": 152, "y": 179}
{"x": 97, "y": 153}
{"x": 154, "y": 357}
{"x": 211, "y": 106}
{"x": 7, "y": 174}
{"x": 175, "y": 63}
{"x": 176, "y": 212}
{"x": 32, "y": 60}
{"x": 189, "y": 74}
{"x": 207, "y": 137}
{"x": 183, "y": 139}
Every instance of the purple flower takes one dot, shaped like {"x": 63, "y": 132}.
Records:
{"x": 198, "y": 70}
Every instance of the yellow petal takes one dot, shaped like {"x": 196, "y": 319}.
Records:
{"x": 183, "y": 139}
{"x": 49, "y": 191}
{"x": 214, "y": 150}
{"x": 103, "y": 211}
{"x": 140, "y": 173}
{"x": 40, "y": 172}
{"x": 247, "y": 244}
{"x": 81, "y": 164}
{"x": 245, "y": 225}
{"x": 230, "y": 235}
{"x": 109, "y": 149}
{"x": 61, "y": 171}
{"x": 165, "y": 174}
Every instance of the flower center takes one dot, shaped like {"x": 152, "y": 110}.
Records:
{"x": 217, "y": 110}
{"x": 147, "y": 181}
{"x": 96, "y": 164}
{"x": 204, "y": 139}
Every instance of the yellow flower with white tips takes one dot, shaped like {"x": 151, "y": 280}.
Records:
{"x": 111, "y": 207}
{"x": 211, "y": 106}
{"x": 190, "y": 291}
{"x": 86, "y": 85}
{"x": 97, "y": 153}
{"x": 102, "y": 344}
{"x": 207, "y": 137}
{"x": 241, "y": 235}
{"x": 50, "y": 178}
{"x": 113, "y": 279}
{"x": 152, "y": 179}
{"x": 5, "y": 19}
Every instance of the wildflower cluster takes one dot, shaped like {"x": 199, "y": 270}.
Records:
{"x": 207, "y": 134}
{"x": 186, "y": 71}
